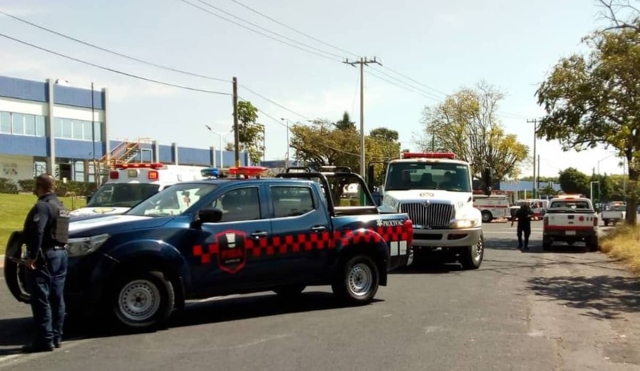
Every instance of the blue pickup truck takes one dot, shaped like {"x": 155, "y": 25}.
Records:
{"x": 218, "y": 237}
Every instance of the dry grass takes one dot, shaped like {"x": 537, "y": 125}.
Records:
{"x": 14, "y": 209}
{"x": 624, "y": 243}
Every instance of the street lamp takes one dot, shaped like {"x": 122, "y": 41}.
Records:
{"x": 599, "y": 161}
{"x": 286, "y": 157}
{"x": 219, "y": 149}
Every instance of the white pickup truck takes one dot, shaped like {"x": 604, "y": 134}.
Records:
{"x": 570, "y": 220}
{"x": 617, "y": 213}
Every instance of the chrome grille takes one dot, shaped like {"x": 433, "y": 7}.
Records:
{"x": 434, "y": 215}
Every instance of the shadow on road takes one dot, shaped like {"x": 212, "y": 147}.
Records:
{"x": 18, "y": 331}
{"x": 608, "y": 295}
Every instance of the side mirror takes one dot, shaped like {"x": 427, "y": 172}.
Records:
{"x": 209, "y": 215}
{"x": 487, "y": 180}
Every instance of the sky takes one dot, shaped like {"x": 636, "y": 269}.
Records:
{"x": 429, "y": 49}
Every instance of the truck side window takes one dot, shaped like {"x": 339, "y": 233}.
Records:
{"x": 239, "y": 205}
{"x": 291, "y": 201}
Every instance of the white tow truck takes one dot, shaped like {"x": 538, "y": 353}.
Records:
{"x": 570, "y": 219}
{"x": 436, "y": 190}
{"x": 129, "y": 184}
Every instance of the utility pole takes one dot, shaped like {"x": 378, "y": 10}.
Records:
{"x": 362, "y": 62}
{"x": 535, "y": 132}
{"x": 236, "y": 132}
{"x": 538, "y": 180}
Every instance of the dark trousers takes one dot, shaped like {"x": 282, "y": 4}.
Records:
{"x": 47, "y": 300}
{"x": 526, "y": 230}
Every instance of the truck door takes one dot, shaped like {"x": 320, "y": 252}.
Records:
{"x": 233, "y": 251}
{"x": 301, "y": 230}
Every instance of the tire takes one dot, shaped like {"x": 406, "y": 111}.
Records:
{"x": 357, "y": 280}
{"x": 471, "y": 257}
{"x": 606, "y": 223}
{"x": 592, "y": 244}
{"x": 546, "y": 244}
{"x": 142, "y": 300}
{"x": 487, "y": 216}
{"x": 571, "y": 243}
{"x": 290, "y": 291}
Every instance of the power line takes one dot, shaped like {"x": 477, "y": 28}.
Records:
{"x": 260, "y": 33}
{"x": 111, "y": 51}
{"x": 292, "y": 29}
{"x": 404, "y": 86}
{"x": 113, "y": 70}
{"x": 274, "y": 102}
{"x": 415, "y": 81}
{"x": 265, "y": 29}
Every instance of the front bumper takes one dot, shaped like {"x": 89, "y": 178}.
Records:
{"x": 446, "y": 237}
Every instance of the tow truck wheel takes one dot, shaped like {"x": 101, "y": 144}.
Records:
{"x": 471, "y": 257}
{"x": 487, "y": 216}
{"x": 142, "y": 300}
{"x": 357, "y": 280}
{"x": 546, "y": 244}
{"x": 290, "y": 291}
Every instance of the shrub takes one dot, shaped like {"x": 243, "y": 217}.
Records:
{"x": 8, "y": 186}
{"x": 624, "y": 243}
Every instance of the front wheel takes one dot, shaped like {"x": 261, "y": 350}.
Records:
{"x": 357, "y": 280}
{"x": 471, "y": 257}
{"x": 142, "y": 300}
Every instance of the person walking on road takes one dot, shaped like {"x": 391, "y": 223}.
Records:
{"x": 46, "y": 233}
{"x": 523, "y": 215}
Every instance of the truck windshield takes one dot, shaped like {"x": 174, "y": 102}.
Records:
{"x": 173, "y": 200}
{"x": 122, "y": 194}
{"x": 428, "y": 175}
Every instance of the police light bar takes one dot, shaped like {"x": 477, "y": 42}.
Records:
{"x": 447, "y": 155}
{"x": 248, "y": 171}
{"x": 154, "y": 166}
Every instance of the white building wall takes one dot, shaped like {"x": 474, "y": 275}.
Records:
{"x": 23, "y": 106}
{"x": 16, "y": 167}
{"x": 78, "y": 113}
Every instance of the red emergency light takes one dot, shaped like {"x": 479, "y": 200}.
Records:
{"x": 154, "y": 166}
{"x": 447, "y": 155}
{"x": 248, "y": 171}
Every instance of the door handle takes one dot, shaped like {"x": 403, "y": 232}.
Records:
{"x": 259, "y": 234}
{"x": 318, "y": 228}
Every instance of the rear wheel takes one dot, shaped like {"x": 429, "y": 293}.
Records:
{"x": 357, "y": 280}
{"x": 471, "y": 257}
{"x": 487, "y": 216}
{"x": 546, "y": 244}
{"x": 592, "y": 244}
{"x": 142, "y": 300}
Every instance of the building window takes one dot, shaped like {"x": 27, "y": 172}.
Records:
{"x": 5, "y": 123}
{"x": 40, "y": 126}
{"x": 75, "y": 129}
{"x": 18, "y": 124}
{"x": 97, "y": 131}
{"x": 29, "y": 125}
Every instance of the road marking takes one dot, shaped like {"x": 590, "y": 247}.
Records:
{"x": 260, "y": 341}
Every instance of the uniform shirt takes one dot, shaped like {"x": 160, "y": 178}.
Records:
{"x": 37, "y": 233}
{"x": 524, "y": 216}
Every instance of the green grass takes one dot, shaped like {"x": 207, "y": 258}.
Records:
{"x": 14, "y": 209}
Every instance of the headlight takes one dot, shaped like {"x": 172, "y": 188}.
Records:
{"x": 463, "y": 223}
{"x": 85, "y": 245}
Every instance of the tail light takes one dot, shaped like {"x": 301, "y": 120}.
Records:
{"x": 114, "y": 175}
{"x": 595, "y": 221}
{"x": 152, "y": 175}
{"x": 546, "y": 221}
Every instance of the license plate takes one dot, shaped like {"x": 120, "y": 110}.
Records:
{"x": 570, "y": 233}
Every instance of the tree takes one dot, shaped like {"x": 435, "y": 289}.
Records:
{"x": 384, "y": 134}
{"x": 593, "y": 100}
{"x": 614, "y": 8}
{"x": 345, "y": 123}
{"x": 323, "y": 144}
{"x": 466, "y": 123}
{"x": 542, "y": 179}
{"x": 573, "y": 181}
{"x": 603, "y": 187}
{"x": 548, "y": 191}
{"x": 250, "y": 132}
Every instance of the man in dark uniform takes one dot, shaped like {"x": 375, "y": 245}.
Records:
{"x": 46, "y": 231}
{"x": 523, "y": 215}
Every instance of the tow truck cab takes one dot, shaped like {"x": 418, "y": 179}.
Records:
{"x": 570, "y": 219}
{"x": 128, "y": 184}
{"x": 436, "y": 190}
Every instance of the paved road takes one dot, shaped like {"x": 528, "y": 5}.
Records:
{"x": 565, "y": 310}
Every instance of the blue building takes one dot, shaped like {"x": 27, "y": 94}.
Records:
{"x": 50, "y": 126}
